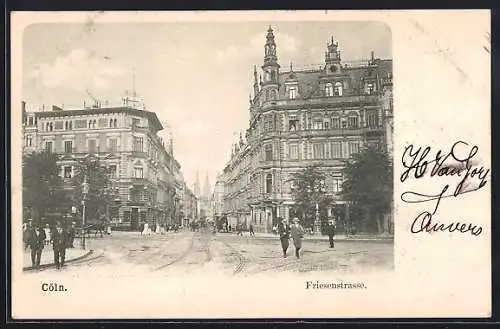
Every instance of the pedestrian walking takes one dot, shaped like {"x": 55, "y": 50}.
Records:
{"x": 27, "y": 230}
{"x": 59, "y": 244}
{"x": 284, "y": 232}
{"x": 251, "y": 230}
{"x": 331, "y": 232}
{"x": 71, "y": 235}
{"x": 46, "y": 230}
{"x": 146, "y": 230}
{"x": 297, "y": 232}
{"x": 36, "y": 242}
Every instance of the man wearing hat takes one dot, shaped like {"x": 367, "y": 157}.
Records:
{"x": 59, "y": 244}
{"x": 36, "y": 241}
{"x": 297, "y": 233}
{"x": 331, "y": 231}
{"x": 284, "y": 232}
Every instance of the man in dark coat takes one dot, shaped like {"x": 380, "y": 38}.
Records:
{"x": 59, "y": 243}
{"x": 331, "y": 232}
{"x": 284, "y": 232}
{"x": 36, "y": 241}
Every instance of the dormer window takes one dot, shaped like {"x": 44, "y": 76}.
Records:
{"x": 329, "y": 90}
{"x": 338, "y": 89}
{"x": 292, "y": 92}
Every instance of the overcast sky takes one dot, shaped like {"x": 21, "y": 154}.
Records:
{"x": 195, "y": 76}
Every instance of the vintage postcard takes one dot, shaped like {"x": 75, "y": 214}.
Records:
{"x": 259, "y": 164}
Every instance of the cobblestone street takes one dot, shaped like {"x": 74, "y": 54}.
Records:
{"x": 130, "y": 254}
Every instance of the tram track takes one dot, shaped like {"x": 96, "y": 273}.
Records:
{"x": 242, "y": 261}
{"x": 181, "y": 256}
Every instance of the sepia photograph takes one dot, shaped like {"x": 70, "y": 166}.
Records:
{"x": 227, "y": 152}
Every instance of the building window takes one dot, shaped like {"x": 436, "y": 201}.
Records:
{"x": 335, "y": 123}
{"x": 68, "y": 172}
{"x": 59, "y": 125}
{"x": 269, "y": 123}
{"x": 138, "y": 172}
{"x": 318, "y": 124}
{"x": 112, "y": 145}
{"x": 293, "y": 124}
{"x": 102, "y": 122}
{"x": 51, "y": 126}
{"x": 30, "y": 121}
{"x": 110, "y": 123}
{"x": 329, "y": 90}
{"x": 326, "y": 124}
{"x": 42, "y": 127}
{"x": 92, "y": 145}
{"x": 337, "y": 183}
{"x": 269, "y": 152}
{"x": 318, "y": 149}
{"x": 293, "y": 152}
{"x": 370, "y": 88}
{"x": 29, "y": 140}
{"x": 292, "y": 93}
{"x": 115, "y": 123}
{"x": 338, "y": 89}
{"x": 68, "y": 146}
{"x": 112, "y": 171}
{"x": 353, "y": 148}
{"x": 352, "y": 121}
{"x": 90, "y": 124}
{"x": 327, "y": 150}
{"x": 80, "y": 124}
{"x": 138, "y": 144}
{"x": 372, "y": 119}
{"x": 269, "y": 183}
{"x": 336, "y": 150}
{"x": 66, "y": 125}
{"x": 48, "y": 146}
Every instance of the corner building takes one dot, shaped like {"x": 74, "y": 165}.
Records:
{"x": 299, "y": 118}
{"x": 145, "y": 174}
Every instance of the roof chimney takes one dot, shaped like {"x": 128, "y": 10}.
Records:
{"x": 373, "y": 57}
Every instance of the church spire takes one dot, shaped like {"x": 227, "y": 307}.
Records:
{"x": 271, "y": 66}
{"x": 206, "y": 187}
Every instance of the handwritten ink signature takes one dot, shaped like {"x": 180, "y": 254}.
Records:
{"x": 416, "y": 164}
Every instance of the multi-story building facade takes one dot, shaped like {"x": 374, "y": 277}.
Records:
{"x": 299, "y": 118}
{"x": 189, "y": 205}
{"x": 217, "y": 200}
{"x": 146, "y": 176}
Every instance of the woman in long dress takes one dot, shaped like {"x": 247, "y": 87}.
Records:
{"x": 297, "y": 233}
{"x": 145, "y": 230}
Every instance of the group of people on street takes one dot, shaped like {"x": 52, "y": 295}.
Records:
{"x": 158, "y": 228}
{"x": 296, "y": 233}
{"x": 36, "y": 237}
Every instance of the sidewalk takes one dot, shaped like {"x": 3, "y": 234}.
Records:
{"x": 337, "y": 237}
{"x": 47, "y": 259}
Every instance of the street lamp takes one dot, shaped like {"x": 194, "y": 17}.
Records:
{"x": 85, "y": 192}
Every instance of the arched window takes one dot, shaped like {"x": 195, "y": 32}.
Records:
{"x": 51, "y": 126}
{"x": 65, "y": 125}
{"x": 269, "y": 183}
{"x": 90, "y": 124}
{"x": 292, "y": 92}
{"x": 93, "y": 124}
{"x": 338, "y": 89}
{"x": 274, "y": 95}
{"x": 110, "y": 123}
{"x": 329, "y": 90}
{"x": 42, "y": 126}
{"x": 268, "y": 95}
{"x": 71, "y": 125}
{"x": 115, "y": 123}
{"x": 352, "y": 121}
